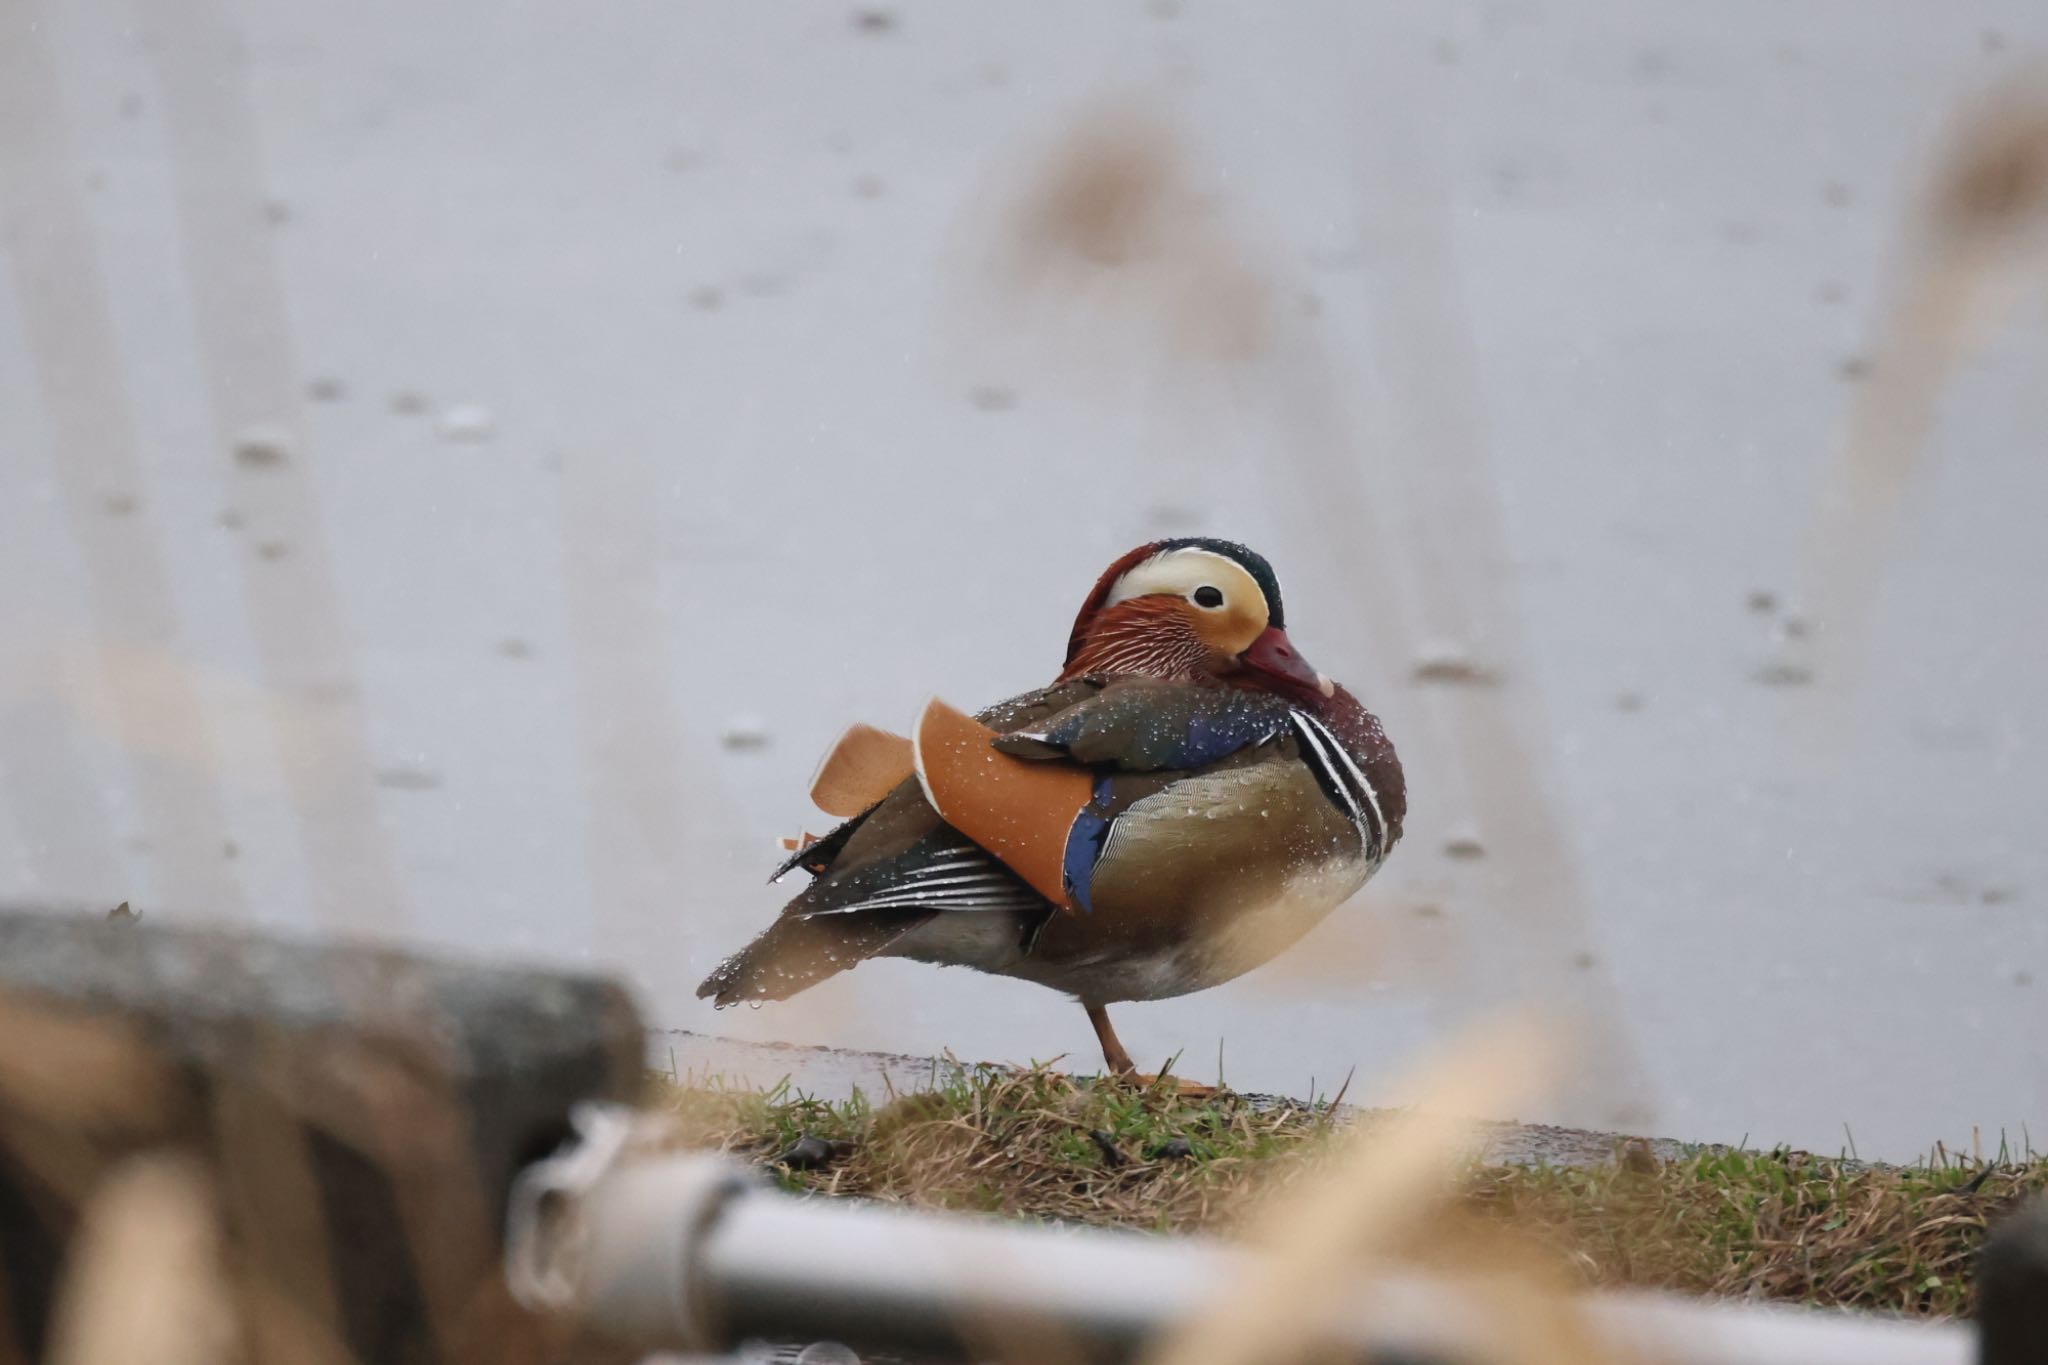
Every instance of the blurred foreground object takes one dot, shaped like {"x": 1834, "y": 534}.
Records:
{"x": 219, "y": 1148}
{"x": 1977, "y": 247}
{"x": 336, "y": 1127}
{"x": 697, "y": 1253}
{"x": 1112, "y": 235}
{"x": 2012, "y": 1288}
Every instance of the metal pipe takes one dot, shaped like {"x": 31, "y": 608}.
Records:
{"x": 695, "y": 1252}
{"x": 869, "y": 1274}
{"x": 866, "y": 1273}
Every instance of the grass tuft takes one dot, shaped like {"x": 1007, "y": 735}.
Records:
{"x": 1036, "y": 1145}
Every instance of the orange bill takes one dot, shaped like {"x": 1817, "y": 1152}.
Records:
{"x": 863, "y": 767}
{"x": 1018, "y": 810}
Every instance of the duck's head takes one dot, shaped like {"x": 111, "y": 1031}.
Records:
{"x": 1189, "y": 608}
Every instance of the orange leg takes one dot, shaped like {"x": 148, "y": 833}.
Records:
{"x": 1113, "y": 1054}
{"x": 1123, "y": 1068}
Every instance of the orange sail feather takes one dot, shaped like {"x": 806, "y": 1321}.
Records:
{"x": 864, "y": 766}
{"x": 1018, "y": 810}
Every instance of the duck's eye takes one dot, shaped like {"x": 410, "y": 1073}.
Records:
{"x": 1206, "y": 596}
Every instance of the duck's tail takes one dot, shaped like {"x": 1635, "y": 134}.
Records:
{"x": 798, "y": 951}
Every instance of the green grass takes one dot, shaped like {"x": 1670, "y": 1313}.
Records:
{"x": 1033, "y": 1144}
{"x": 1778, "y": 1225}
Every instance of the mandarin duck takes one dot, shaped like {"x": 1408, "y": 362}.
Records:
{"x": 1187, "y": 799}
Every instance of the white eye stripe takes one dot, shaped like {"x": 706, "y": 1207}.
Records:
{"x": 1185, "y": 571}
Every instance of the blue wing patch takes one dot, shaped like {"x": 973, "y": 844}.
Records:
{"x": 1137, "y": 732}
{"x": 1211, "y": 736}
{"x": 1085, "y": 839}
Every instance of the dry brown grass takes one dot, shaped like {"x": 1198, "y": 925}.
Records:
{"x": 1028, "y": 1144}
{"x": 1032, "y": 1144}
{"x": 1376, "y": 1186}
{"x": 1784, "y": 1226}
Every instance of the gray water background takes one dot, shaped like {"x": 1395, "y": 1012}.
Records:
{"x": 462, "y": 464}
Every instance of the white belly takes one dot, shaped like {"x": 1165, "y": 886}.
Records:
{"x": 1257, "y": 936}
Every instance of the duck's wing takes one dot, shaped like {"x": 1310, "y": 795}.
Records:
{"x": 866, "y": 765}
{"x": 1174, "y": 762}
{"x": 1011, "y": 811}
{"x": 879, "y": 875}
{"x": 1047, "y": 796}
{"x": 893, "y": 865}
{"x": 1147, "y": 726}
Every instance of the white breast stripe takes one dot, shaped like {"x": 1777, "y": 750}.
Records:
{"x": 1364, "y": 787}
{"x": 1334, "y": 759}
{"x": 1316, "y": 751}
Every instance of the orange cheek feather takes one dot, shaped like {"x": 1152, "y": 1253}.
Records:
{"x": 1224, "y": 634}
{"x": 1017, "y": 809}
